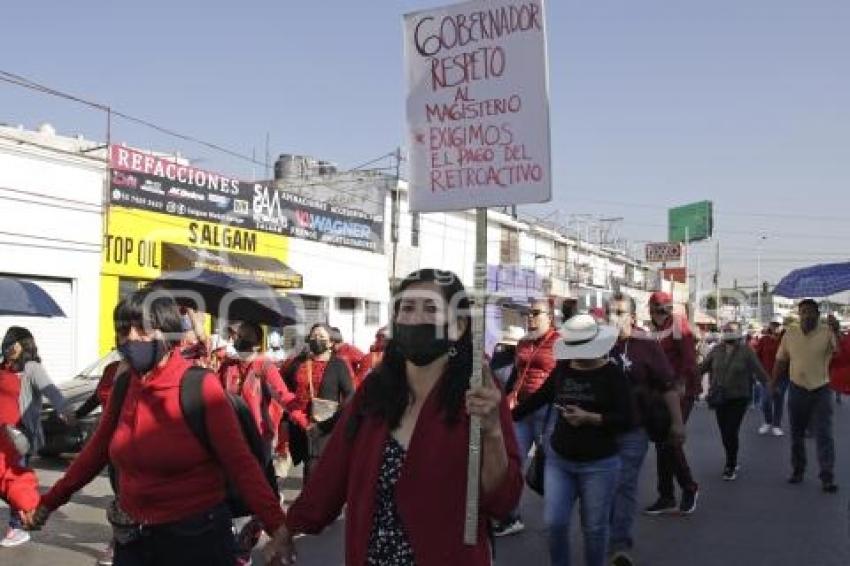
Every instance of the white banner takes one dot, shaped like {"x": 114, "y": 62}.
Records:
{"x": 477, "y": 105}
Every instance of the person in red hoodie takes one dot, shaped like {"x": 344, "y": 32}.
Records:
{"x": 18, "y": 482}
{"x": 773, "y": 399}
{"x": 254, "y": 377}
{"x": 171, "y": 488}
{"x": 535, "y": 360}
{"x": 398, "y": 458}
{"x": 343, "y": 350}
{"x": 676, "y": 339}
{"x": 371, "y": 360}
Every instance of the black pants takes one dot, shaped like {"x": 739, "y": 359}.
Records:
{"x": 204, "y": 540}
{"x": 672, "y": 462}
{"x": 811, "y": 409}
{"x": 730, "y": 415}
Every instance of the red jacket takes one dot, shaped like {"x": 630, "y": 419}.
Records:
{"x": 246, "y": 380}
{"x": 166, "y": 474}
{"x": 430, "y": 494}
{"x": 535, "y": 360}
{"x": 839, "y": 367}
{"x": 350, "y": 354}
{"x": 678, "y": 343}
{"x": 367, "y": 363}
{"x": 18, "y": 485}
{"x": 766, "y": 349}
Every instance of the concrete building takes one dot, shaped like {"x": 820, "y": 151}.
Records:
{"x": 51, "y": 196}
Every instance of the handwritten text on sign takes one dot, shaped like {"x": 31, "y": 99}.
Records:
{"x": 477, "y": 106}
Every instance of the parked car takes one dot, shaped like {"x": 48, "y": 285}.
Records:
{"x": 61, "y": 438}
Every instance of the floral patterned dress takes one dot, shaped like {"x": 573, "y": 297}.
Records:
{"x": 388, "y": 544}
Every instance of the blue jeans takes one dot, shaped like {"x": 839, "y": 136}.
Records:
{"x": 774, "y": 405}
{"x": 594, "y": 484}
{"x": 529, "y": 429}
{"x": 633, "y": 448}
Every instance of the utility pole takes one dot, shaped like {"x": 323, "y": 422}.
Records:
{"x": 395, "y": 211}
{"x": 717, "y": 282}
{"x": 762, "y": 238}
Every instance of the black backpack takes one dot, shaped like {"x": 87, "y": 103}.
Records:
{"x": 192, "y": 406}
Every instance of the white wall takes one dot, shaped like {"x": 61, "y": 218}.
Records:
{"x": 50, "y": 204}
{"x": 335, "y": 271}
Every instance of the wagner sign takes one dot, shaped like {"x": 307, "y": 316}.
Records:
{"x": 477, "y": 105}
{"x": 345, "y": 212}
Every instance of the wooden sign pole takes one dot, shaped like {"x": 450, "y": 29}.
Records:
{"x": 479, "y": 312}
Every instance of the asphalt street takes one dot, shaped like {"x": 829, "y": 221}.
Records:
{"x": 758, "y": 520}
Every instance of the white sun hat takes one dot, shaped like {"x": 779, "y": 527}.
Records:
{"x": 582, "y": 338}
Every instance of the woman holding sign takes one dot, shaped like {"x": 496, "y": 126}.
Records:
{"x": 398, "y": 460}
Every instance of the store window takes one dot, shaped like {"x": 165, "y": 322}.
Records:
{"x": 509, "y": 249}
{"x": 373, "y": 313}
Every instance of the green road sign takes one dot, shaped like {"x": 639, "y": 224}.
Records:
{"x": 692, "y": 222}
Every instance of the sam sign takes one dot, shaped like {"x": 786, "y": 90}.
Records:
{"x": 477, "y": 105}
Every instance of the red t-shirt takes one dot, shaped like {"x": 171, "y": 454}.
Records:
{"x": 10, "y": 394}
{"x": 166, "y": 474}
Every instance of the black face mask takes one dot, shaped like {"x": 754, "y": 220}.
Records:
{"x": 419, "y": 343}
{"x": 243, "y": 346}
{"x": 143, "y": 356}
{"x": 317, "y": 346}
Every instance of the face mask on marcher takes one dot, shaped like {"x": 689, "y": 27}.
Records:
{"x": 143, "y": 356}
{"x": 420, "y": 343}
{"x": 318, "y": 346}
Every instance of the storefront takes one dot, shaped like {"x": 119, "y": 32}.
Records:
{"x": 166, "y": 216}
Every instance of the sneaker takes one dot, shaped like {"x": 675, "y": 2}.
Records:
{"x": 764, "y": 429}
{"x": 796, "y": 477}
{"x": 730, "y": 473}
{"x": 688, "y": 503}
{"x": 829, "y": 487}
{"x": 14, "y": 537}
{"x": 510, "y": 527}
{"x": 621, "y": 559}
{"x": 776, "y": 431}
{"x": 661, "y": 507}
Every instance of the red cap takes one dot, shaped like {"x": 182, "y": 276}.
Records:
{"x": 661, "y": 298}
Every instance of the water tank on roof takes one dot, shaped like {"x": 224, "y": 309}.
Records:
{"x": 289, "y": 166}
{"x": 326, "y": 168}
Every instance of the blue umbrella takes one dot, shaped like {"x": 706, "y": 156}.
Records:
{"x": 19, "y": 297}
{"x": 816, "y": 281}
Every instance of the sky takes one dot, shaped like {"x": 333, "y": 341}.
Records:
{"x": 653, "y": 103}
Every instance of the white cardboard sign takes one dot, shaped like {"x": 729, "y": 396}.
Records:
{"x": 477, "y": 105}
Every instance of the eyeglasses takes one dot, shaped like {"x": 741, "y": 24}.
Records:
{"x": 660, "y": 310}
{"x": 537, "y": 312}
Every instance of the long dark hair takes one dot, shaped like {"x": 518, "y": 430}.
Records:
{"x": 29, "y": 351}
{"x": 386, "y": 393}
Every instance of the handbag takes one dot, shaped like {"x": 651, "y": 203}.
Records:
{"x": 18, "y": 439}
{"x": 320, "y": 409}
{"x": 535, "y": 473}
{"x": 716, "y": 396}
